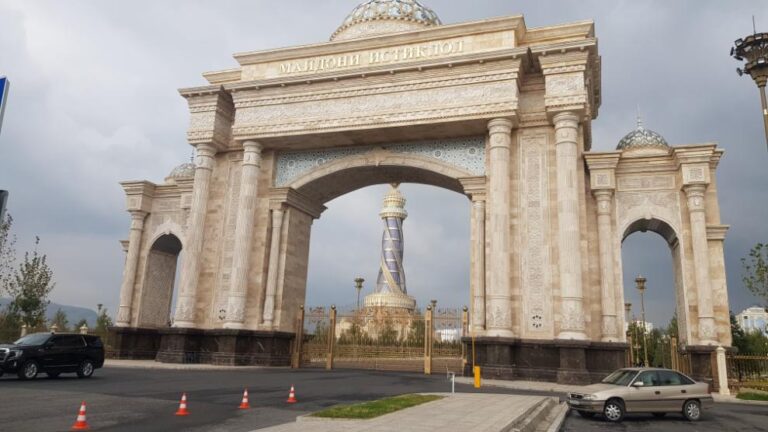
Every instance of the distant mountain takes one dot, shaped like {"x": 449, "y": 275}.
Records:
{"x": 74, "y": 313}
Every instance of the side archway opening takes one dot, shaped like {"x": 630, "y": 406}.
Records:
{"x": 160, "y": 278}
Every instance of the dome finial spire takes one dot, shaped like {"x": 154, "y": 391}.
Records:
{"x": 639, "y": 118}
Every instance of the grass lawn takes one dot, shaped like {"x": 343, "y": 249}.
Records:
{"x": 375, "y": 408}
{"x": 753, "y": 396}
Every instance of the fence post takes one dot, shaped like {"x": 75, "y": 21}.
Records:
{"x": 24, "y": 330}
{"x": 299, "y": 341}
{"x": 84, "y": 329}
{"x": 54, "y": 328}
{"x": 722, "y": 371}
{"x": 714, "y": 371}
{"x": 331, "y": 338}
{"x": 464, "y": 331}
{"x": 673, "y": 353}
{"x": 428, "y": 330}
{"x": 631, "y": 353}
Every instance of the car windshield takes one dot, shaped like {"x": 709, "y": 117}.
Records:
{"x": 621, "y": 377}
{"x": 33, "y": 339}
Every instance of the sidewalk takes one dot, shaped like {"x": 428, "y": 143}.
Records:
{"x": 151, "y": 364}
{"x": 460, "y": 412}
{"x": 523, "y": 385}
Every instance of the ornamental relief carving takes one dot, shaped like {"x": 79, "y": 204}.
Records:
{"x": 646, "y": 182}
{"x": 498, "y": 317}
{"x": 565, "y": 84}
{"x": 573, "y": 317}
{"x": 379, "y": 108}
{"x": 467, "y": 154}
{"x": 663, "y": 205}
{"x": 535, "y": 257}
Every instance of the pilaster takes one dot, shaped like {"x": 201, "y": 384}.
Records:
{"x": 475, "y": 188}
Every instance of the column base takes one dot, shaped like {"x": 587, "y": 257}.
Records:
{"x": 234, "y": 325}
{"x": 570, "y": 335}
{"x": 228, "y": 347}
{"x": 131, "y": 343}
{"x": 503, "y": 333}
{"x": 183, "y": 324}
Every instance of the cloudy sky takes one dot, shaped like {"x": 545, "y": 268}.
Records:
{"x": 93, "y": 102}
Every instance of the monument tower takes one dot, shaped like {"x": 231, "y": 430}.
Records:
{"x": 390, "y": 289}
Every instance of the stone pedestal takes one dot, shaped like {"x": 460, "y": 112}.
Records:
{"x": 565, "y": 362}
{"x": 130, "y": 343}
{"x": 228, "y": 347}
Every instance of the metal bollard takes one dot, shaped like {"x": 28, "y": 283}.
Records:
{"x": 476, "y": 371}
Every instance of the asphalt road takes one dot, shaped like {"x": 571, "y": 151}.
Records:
{"x": 145, "y": 400}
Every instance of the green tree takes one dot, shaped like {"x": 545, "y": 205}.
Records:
{"x": 29, "y": 289}
{"x": 672, "y": 328}
{"x": 7, "y": 253}
{"x": 737, "y": 335}
{"x": 61, "y": 321}
{"x": 82, "y": 322}
{"x": 755, "y": 266}
{"x": 103, "y": 323}
{"x": 10, "y": 327}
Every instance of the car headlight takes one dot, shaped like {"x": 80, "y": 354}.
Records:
{"x": 15, "y": 353}
{"x": 590, "y": 397}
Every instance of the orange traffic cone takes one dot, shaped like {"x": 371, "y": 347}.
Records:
{"x": 183, "y": 406}
{"x": 81, "y": 423}
{"x": 244, "y": 404}
{"x": 292, "y": 396}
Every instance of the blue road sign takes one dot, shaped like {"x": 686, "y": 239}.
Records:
{"x": 4, "y": 87}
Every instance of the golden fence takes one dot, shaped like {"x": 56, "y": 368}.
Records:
{"x": 381, "y": 339}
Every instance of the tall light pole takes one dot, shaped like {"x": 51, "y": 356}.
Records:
{"x": 359, "y": 287}
{"x": 754, "y": 50}
{"x": 640, "y": 283}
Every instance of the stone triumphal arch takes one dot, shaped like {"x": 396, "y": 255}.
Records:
{"x": 491, "y": 109}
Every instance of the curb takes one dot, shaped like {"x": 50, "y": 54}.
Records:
{"x": 184, "y": 367}
{"x": 557, "y": 422}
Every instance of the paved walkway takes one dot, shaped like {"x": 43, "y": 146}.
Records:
{"x": 523, "y": 385}
{"x": 461, "y": 412}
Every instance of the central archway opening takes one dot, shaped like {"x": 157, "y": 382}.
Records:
{"x": 400, "y": 283}
{"x": 653, "y": 292}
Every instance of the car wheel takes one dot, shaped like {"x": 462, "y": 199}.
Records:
{"x": 692, "y": 410}
{"x": 586, "y": 414}
{"x": 85, "y": 370}
{"x": 53, "y": 375}
{"x": 28, "y": 370}
{"x": 659, "y": 415}
{"x": 613, "y": 410}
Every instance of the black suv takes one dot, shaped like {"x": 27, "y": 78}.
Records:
{"x": 53, "y": 354}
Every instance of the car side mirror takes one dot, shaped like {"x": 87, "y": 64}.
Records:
{"x": 638, "y": 384}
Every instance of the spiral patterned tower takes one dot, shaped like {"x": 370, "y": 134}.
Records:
{"x": 390, "y": 289}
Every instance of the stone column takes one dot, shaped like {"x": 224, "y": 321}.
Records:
{"x": 246, "y": 209}
{"x": 499, "y": 299}
{"x": 605, "y": 236}
{"x": 272, "y": 272}
{"x": 478, "y": 264}
{"x": 696, "y": 210}
{"x": 569, "y": 237}
{"x": 190, "y": 266}
{"x": 129, "y": 272}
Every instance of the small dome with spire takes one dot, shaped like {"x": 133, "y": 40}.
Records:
{"x": 642, "y": 138}
{"x": 385, "y": 16}
{"x": 183, "y": 171}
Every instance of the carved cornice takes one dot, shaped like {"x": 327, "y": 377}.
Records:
{"x": 139, "y": 195}
{"x": 211, "y": 115}
{"x": 717, "y": 232}
{"x": 475, "y": 187}
{"x": 286, "y": 196}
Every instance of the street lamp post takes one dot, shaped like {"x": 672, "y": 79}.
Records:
{"x": 640, "y": 283}
{"x": 627, "y": 315}
{"x": 754, "y": 50}
{"x": 359, "y": 287}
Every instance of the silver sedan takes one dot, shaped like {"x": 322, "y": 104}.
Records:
{"x": 642, "y": 390}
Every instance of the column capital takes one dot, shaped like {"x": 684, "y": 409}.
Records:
{"x": 696, "y": 194}
{"x": 500, "y": 125}
{"x": 695, "y": 190}
{"x": 286, "y": 196}
{"x": 252, "y": 153}
{"x": 204, "y": 156}
{"x": 566, "y": 119}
